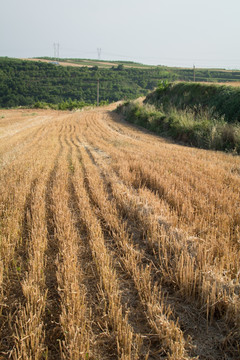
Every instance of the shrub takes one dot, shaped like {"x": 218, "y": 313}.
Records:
{"x": 219, "y": 100}
{"x": 198, "y": 128}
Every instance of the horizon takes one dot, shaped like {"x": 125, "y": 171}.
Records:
{"x": 61, "y": 59}
{"x": 175, "y": 34}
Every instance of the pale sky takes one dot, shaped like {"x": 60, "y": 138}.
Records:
{"x": 160, "y": 32}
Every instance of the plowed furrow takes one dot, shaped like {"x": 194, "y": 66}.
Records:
{"x": 29, "y": 328}
{"x": 232, "y": 248}
{"x": 17, "y": 148}
{"x": 53, "y": 302}
{"x": 130, "y": 299}
{"x": 26, "y": 227}
{"x": 13, "y": 291}
{"x": 128, "y": 343}
{"x": 104, "y": 340}
{"x": 132, "y": 261}
{"x": 74, "y": 318}
{"x": 136, "y": 228}
{"x": 174, "y": 184}
{"x": 115, "y": 243}
{"x": 101, "y": 343}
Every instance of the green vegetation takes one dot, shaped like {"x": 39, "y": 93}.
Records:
{"x": 207, "y": 75}
{"x": 100, "y": 63}
{"x": 219, "y": 100}
{"x": 196, "y": 125}
{"x": 25, "y": 83}
{"x": 64, "y": 105}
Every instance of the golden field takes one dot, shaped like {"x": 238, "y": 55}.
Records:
{"x": 115, "y": 243}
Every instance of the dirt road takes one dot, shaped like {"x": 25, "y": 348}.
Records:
{"x": 115, "y": 243}
{"x": 91, "y": 63}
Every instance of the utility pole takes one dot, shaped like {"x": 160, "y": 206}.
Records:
{"x": 97, "y": 92}
{"x": 54, "y": 50}
{"x": 58, "y": 46}
{"x": 194, "y": 75}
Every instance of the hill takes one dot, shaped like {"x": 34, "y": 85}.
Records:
{"x": 106, "y": 64}
{"x": 202, "y": 115}
{"x": 25, "y": 82}
{"x": 219, "y": 99}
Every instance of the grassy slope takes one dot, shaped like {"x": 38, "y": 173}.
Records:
{"x": 201, "y": 74}
{"x": 222, "y": 100}
{"x": 100, "y": 63}
{"x": 197, "y": 114}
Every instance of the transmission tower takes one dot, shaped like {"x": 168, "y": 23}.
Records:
{"x": 99, "y": 50}
{"x": 56, "y": 47}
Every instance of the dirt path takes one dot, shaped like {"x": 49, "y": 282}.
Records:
{"x": 85, "y": 63}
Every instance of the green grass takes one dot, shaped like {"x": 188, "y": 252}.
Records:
{"x": 102, "y": 63}
{"x": 196, "y": 129}
{"x": 220, "y": 100}
{"x": 32, "y": 114}
{"x": 65, "y": 105}
{"x": 202, "y": 115}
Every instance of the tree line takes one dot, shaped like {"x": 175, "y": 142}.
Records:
{"x": 24, "y": 83}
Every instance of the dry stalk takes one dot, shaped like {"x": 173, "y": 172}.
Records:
{"x": 150, "y": 294}
{"x": 29, "y": 333}
{"x": 75, "y": 315}
{"x": 128, "y": 343}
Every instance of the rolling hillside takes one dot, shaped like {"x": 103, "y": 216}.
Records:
{"x": 25, "y": 82}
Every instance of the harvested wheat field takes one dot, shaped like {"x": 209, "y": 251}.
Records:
{"x": 115, "y": 243}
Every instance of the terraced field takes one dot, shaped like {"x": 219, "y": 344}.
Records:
{"x": 115, "y": 244}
